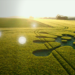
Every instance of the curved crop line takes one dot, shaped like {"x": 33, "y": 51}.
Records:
{"x": 45, "y": 40}
{"x": 48, "y": 42}
{"x": 49, "y": 33}
{"x": 36, "y": 32}
{"x": 66, "y": 60}
{"x": 55, "y": 35}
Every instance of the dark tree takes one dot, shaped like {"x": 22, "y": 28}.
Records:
{"x": 61, "y": 17}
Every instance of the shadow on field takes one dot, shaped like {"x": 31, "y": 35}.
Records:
{"x": 45, "y": 52}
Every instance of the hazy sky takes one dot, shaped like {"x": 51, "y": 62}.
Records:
{"x": 37, "y": 8}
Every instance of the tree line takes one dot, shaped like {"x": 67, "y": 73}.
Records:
{"x": 57, "y": 17}
{"x": 61, "y": 17}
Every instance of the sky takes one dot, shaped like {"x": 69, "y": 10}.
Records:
{"x": 37, "y": 8}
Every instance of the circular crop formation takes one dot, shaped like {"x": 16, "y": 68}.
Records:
{"x": 63, "y": 40}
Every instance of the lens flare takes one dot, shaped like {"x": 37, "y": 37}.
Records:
{"x": 34, "y": 25}
{"x": 22, "y": 40}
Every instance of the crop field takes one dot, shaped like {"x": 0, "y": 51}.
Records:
{"x": 49, "y": 47}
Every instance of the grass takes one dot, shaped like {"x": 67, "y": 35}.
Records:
{"x": 64, "y": 64}
{"x": 74, "y": 43}
{"x": 14, "y": 23}
{"x": 54, "y": 44}
{"x": 74, "y": 36}
{"x": 64, "y": 40}
{"x": 17, "y": 59}
{"x": 68, "y": 53}
{"x": 48, "y": 46}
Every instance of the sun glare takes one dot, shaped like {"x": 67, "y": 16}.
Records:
{"x": 34, "y": 25}
{"x": 22, "y": 40}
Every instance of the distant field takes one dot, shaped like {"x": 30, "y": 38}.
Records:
{"x": 44, "y": 53}
{"x": 68, "y": 24}
{"x": 14, "y": 22}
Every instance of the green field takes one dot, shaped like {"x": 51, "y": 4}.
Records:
{"x": 44, "y": 53}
